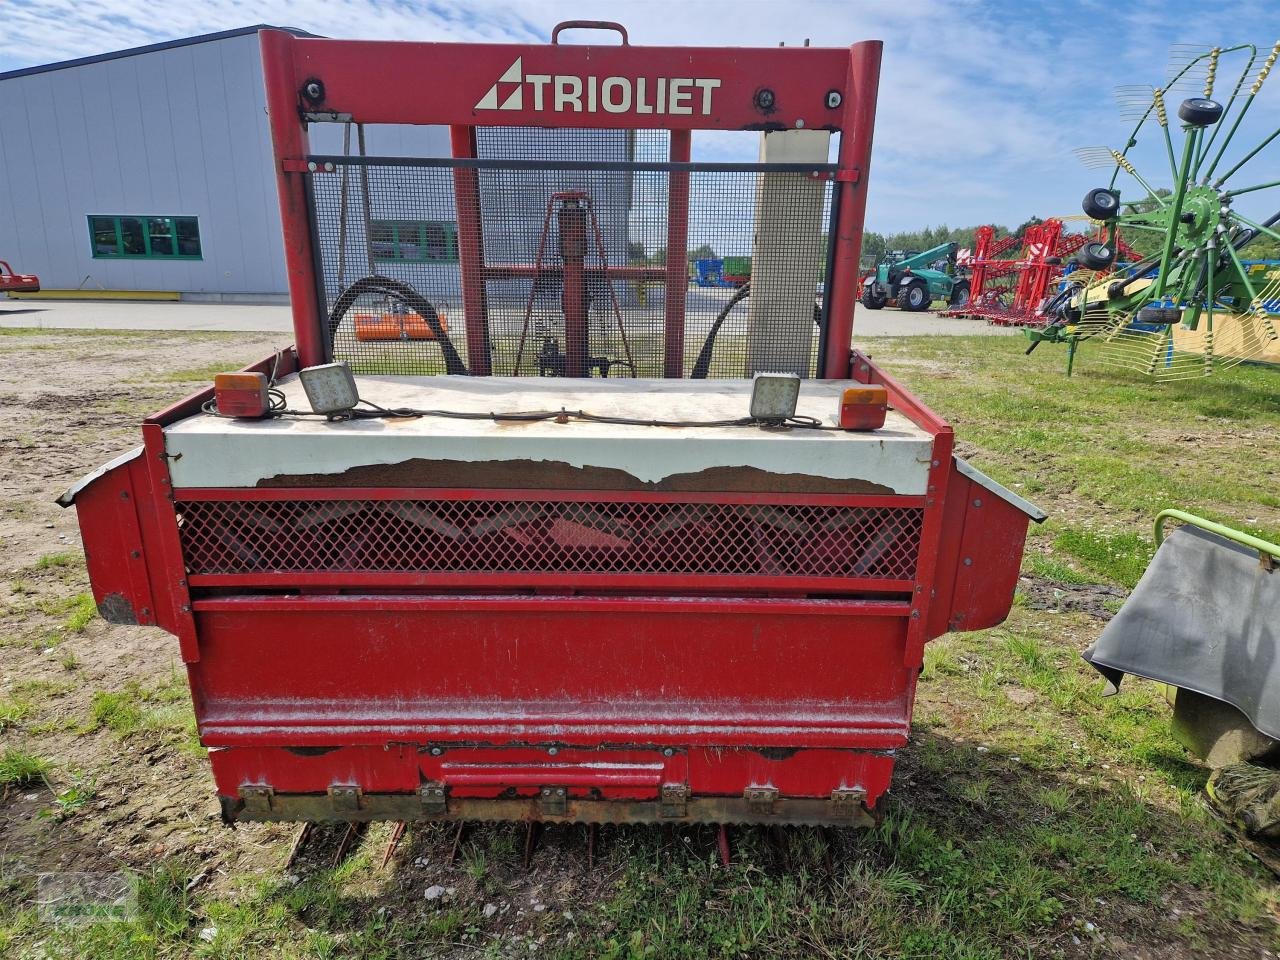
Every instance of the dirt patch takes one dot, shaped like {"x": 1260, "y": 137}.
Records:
{"x": 1096, "y": 599}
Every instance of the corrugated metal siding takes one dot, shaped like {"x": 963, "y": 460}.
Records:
{"x": 175, "y": 132}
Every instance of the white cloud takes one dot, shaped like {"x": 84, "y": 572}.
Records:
{"x": 980, "y": 100}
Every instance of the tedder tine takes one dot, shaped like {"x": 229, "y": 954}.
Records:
{"x": 299, "y": 842}
{"x": 396, "y": 833}
{"x": 722, "y": 840}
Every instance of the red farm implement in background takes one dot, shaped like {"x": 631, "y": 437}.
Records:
{"x": 598, "y": 546}
{"x": 1011, "y": 290}
{"x": 11, "y": 282}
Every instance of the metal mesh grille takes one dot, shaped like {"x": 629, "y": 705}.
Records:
{"x": 549, "y": 536}
{"x": 550, "y": 264}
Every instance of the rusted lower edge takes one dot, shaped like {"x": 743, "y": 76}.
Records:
{"x": 261, "y": 804}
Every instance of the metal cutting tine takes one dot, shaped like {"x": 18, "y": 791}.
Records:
{"x": 593, "y": 833}
{"x": 348, "y": 838}
{"x": 722, "y": 842}
{"x": 827, "y": 839}
{"x": 532, "y": 834}
{"x": 396, "y": 833}
{"x": 776, "y": 836}
{"x": 456, "y": 846}
{"x": 299, "y": 842}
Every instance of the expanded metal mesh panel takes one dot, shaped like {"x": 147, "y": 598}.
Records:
{"x": 558, "y": 536}
{"x": 561, "y": 267}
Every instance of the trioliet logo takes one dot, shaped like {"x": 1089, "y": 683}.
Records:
{"x": 559, "y": 93}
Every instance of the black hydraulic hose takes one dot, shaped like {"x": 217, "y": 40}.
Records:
{"x": 412, "y": 299}
{"x": 702, "y": 365}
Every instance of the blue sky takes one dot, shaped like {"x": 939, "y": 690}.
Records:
{"x": 981, "y": 101}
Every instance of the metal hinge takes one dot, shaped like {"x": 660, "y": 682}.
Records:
{"x": 847, "y": 801}
{"x": 344, "y": 797}
{"x": 760, "y": 799}
{"x": 553, "y": 801}
{"x": 257, "y": 798}
{"x": 435, "y": 802}
{"x": 675, "y": 800}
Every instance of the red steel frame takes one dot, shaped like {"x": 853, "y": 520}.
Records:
{"x": 351, "y": 696}
{"x": 1032, "y": 275}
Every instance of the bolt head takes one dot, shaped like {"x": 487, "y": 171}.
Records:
{"x": 834, "y": 99}
{"x": 437, "y": 751}
{"x": 765, "y": 99}
{"x": 668, "y": 752}
{"x": 313, "y": 90}
{"x": 552, "y": 751}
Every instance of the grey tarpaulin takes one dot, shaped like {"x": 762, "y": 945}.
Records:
{"x": 1205, "y": 617}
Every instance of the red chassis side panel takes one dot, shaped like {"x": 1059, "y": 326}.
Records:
{"x": 300, "y": 691}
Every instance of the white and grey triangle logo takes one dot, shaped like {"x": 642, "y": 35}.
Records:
{"x": 515, "y": 99}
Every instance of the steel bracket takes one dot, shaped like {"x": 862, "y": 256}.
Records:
{"x": 675, "y": 800}
{"x": 435, "y": 801}
{"x": 553, "y": 801}
{"x": 760, "y": 799}
{"x": 847, "y": 801}
{"x": 345, "y": 798}
{"x": 257, "y": 798}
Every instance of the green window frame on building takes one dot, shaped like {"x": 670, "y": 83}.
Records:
{"x": 119, "y": 237}
{"x": 414, "y": 241}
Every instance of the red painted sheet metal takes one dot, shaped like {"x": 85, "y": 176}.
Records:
{"x": 593, "y": 670}
{"x": 112, "y": 532}
{"x": 401, "y": 768}
{"x": 680, "y": 88}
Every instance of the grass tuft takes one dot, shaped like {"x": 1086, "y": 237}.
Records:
{"x": 19, "y": 768}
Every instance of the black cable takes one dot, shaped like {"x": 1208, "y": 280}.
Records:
{"x": 702, "y": 365}
{"x": 412, "y": 299}
{"x": 377, "y": 412}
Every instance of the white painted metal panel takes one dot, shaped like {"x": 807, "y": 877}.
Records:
{"x": 210, "y": 451}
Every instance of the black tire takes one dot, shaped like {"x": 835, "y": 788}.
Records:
{"x": 1199, "y": 112}
{"x": 914, "y": 297}
{"x": 872, "y": 300}
{"x": 1101, "y": 204}
{"x": 1096, "y": 256}
{"x": 1158, "y": 316}
{"x": 1053, "y": 261}
{"x": 959, "y": 294}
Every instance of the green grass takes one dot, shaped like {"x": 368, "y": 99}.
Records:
{"x": 163, "y": 709}
{"x": 13, "y": 711}
{"x": 1026, "y": 806}
{"x": 65, "y": 558}
{"x": 20, "y": 768}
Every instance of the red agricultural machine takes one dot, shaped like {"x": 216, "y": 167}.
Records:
{"x": 1011, "y": 289}
{"x": 600, "y": 547}
{"x": 11, "y": 282}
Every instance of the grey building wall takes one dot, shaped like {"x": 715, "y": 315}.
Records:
{"x": 181, "y": 130}
{"x": 176, "y": 131}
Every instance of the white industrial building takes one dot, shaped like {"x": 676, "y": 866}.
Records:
{"x": 150, "y": 169}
